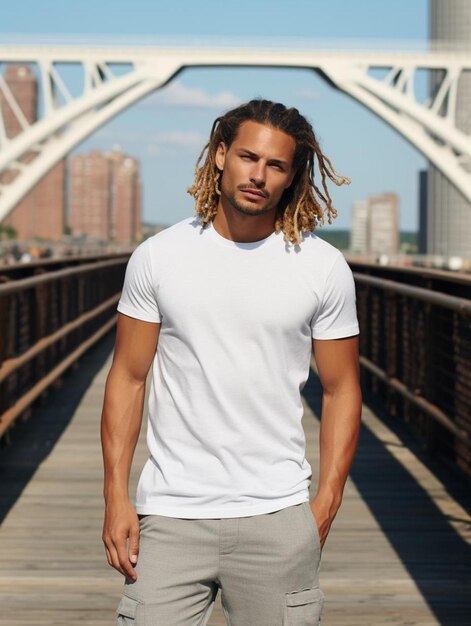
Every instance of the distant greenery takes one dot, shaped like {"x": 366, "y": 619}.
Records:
{"x": 408, "y": 240}
{"x": 338, "y": 238}
{"x": 7, "y": 232}
{"x": 409, "y": 237}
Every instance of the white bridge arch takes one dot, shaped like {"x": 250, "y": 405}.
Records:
{"x": 429, "y": 126}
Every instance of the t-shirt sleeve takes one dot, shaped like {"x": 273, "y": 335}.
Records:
{"x": 138, "y": 296}
{"x": 337, "y": 315}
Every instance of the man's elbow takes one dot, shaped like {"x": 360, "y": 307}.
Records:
{"x": 134, "y": 378}
{"x": 347, "y": 387}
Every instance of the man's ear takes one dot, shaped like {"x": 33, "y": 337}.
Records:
{"x": 220, "y": 156}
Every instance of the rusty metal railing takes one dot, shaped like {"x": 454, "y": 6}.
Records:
{"x": 47, "y": 322}
{"x": 415, "y": 351}
{"x": 415, "y": 341}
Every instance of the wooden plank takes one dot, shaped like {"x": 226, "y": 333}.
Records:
{"x": 396, "y": 553}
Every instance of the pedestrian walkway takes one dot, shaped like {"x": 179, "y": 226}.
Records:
{"x": 398, "y": 552}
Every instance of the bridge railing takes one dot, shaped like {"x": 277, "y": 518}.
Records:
{"x": 415, "y": 347}
{"x": 47, "y": 322}
{"x": 415, "y": 341}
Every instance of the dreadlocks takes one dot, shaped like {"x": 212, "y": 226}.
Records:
{"x": 299, "y": 209}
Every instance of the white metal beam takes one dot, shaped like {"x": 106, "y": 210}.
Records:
{"x": 392, "y": 98}
{"x": 59, "y": 147}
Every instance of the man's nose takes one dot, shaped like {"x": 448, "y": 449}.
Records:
{"x": 258, "y": 175}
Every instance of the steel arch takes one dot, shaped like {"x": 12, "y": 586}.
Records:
{"x": 430, "y": 126}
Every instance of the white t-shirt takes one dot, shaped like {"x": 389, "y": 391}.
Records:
{"x": 237, "y": 320}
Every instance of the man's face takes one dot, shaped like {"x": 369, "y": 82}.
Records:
{"x": 256, "y": 169}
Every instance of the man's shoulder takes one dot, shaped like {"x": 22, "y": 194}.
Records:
{"x": 319, "y": 249}
{"x": 177, "y": 232}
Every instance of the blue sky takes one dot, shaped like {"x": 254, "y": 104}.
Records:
{"x": 167, "y": 130}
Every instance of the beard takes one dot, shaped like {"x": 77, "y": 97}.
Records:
{"x": 247, "y": 208}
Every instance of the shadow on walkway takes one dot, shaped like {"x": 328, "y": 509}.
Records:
{"x": 32, "y": 440}
{"x": 434, "y": 554}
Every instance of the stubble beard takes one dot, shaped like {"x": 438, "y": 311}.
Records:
{"x": 247, "y": 209}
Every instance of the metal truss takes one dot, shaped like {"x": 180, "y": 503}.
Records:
{"x": 67, "y": 120}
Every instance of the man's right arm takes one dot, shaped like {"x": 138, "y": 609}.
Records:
{"x": 135, "y": 346}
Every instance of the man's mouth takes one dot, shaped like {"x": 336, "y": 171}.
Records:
{"x": 253, "y": 193}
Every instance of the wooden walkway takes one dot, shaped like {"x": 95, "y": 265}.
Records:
{"x": 398, "y": 553}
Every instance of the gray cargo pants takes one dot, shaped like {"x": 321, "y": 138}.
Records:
{"x": 267, "y": 567}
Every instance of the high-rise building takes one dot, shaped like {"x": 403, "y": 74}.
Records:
{"x": 24, "y": 88}
{"x": 90, "y": 197}
{"x": 423, "y": 217}
{"x": 41, "y": 212}
{"x": 359, "y": 241}
{"x": 126, "y": 197}
{"x": 449, "y": 213}
{"x": 383, "y": 224}
{"x": 375, "y": 228}
{"x": 105, "y": 196}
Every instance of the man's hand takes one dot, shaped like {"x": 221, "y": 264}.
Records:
{"x": 324, "y": 514}
{"x": 121, "y": 537}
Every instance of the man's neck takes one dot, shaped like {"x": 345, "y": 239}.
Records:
{"x": 236, "y": 226}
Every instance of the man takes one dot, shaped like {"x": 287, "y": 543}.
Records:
{"x": 228, "y": 305}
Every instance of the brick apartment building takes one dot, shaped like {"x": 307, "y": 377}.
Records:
{"x": 105, "y": 196}
{"x": 41, "y": 212}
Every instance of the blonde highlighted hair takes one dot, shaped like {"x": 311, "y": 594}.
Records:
{"x": 303, "y": 204}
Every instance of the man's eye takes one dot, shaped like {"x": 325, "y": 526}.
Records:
{"x": 246, "y": 156}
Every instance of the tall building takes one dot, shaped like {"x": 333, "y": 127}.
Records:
{"x": 24, "y": 88}
{"x": 41, "y": 212}
{"x": 359, "y": 241}
{"x": 90, "y": 198}
{"x": 449, "y": 213}
{"x": 423, "y": 224}
{"x": 105, "y": 196}
{"x": 375, "y": 228}
{"x": 126, "y": 197}
{"x": 383, "y": 224}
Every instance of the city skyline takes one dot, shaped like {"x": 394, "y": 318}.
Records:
{"x": 95, "y": 195}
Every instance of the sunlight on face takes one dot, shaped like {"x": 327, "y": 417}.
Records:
{"x": 256, "y": 169}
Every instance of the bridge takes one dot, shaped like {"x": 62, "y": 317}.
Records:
{"x": 114, "y": 78}
{"x": 399, "y": 549}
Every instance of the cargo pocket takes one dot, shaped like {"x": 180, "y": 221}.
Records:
{"x": 304, "y": 608}
{"x": 127, "y": 612}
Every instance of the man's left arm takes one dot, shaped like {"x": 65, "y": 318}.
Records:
{"x": 338, "y": 367}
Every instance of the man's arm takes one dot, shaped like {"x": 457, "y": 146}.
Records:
{"x": 135, "y": 346}
{"x": 338, "y": 366}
